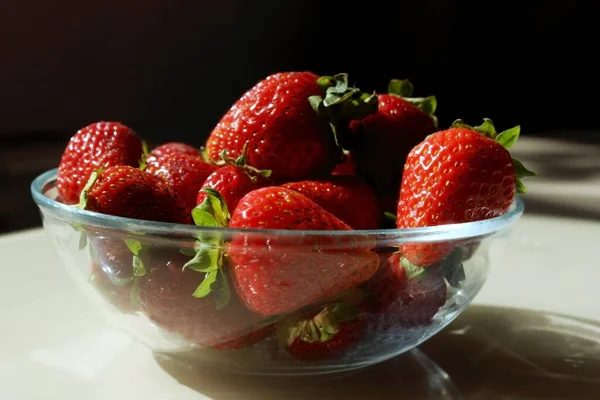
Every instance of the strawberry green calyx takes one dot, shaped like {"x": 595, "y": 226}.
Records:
{"x": 240, "y": 162}
{"x": 320, "y": 328}
{"x": 404, "y": 88}
{"x": 342, "y": 104}
{"x": 83, "y": 195}
{"x": 207, "y": 255}
{"x": 505, "y": 138}
{"x": 139, "y": 270}
{"x": 144, "y": 156}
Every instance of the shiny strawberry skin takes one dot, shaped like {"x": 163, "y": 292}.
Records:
{"x": 275, "y": 274}
{"x": 165, "y": 296}
{"x": 454, "y": 176}
{"x": 125, "y": 191}
{"x": 232, "y": 183}
{"x": 350, "y": 332}
{"x": 102, "y": 144}
{"x": 284, "y": 133}
{"x": 184, "y": 174}
{"x": 347, "y": 197}
{"x": 171, "y": 148}
{"x": 383, "y": 140}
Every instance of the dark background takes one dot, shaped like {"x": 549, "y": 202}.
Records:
{"x": 171, "y": 69}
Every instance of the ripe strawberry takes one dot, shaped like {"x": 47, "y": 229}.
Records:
{"x": 383, "y": 140}
{"x": 102, "y": 144}
{"x": 322, "y": 335}
{"x": 126, "y": 191}
{"x": 458, "y": 175}
{"x": 171, "y": 148}
{"x": 284, "y": 133}
{"x": 403, "y": 295}
{"x": 170, "y": 296}
{"x": 184, "y": 175}
{"x": 346, "y": 167}
{"x": 234, "y": 180}
{"x": 276, "y": 273}
{"x": 347, "y": 197}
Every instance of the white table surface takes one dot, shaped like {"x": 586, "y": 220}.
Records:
{"x": 532, "y": 332}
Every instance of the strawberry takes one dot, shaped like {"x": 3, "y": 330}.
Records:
{"x": 457, "y": 175}
{"x": 170, "y": 295}
{"x": 346, "y": 167}
{"x": 322, "y": 335}
{"x": 171, "y": 148}
{"x": 234, "y": 180}
{"x": 126, "y": 191}
{"x": 288, "y": 125}
{"x": 102, "y": 144}
{"x": 347, "y": 197}
{"x": 382, "y": 141}
{"x": 184, "y": 175}
{"x": 403, "y": 295}
{"x": 276, "y": 273}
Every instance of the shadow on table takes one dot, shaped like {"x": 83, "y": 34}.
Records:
{"x": 487, "y": 353}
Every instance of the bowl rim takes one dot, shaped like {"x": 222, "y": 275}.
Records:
{"x": 72, "y": 214}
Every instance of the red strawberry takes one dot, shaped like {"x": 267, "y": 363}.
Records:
{"x": 383, "y": 140}
{"x": 323, "y": 335}
{"x": 276, "y": 273}
{"x": 128, "y": 192}
{"x": 184, "y": 174}
{"x": 458, "y": 175}
{"x": 170, "y": 296}
{"x": 347, "y": 167}
{"x": 284, "y": 133}
{"x": 234, "y": 180}
{"x": 171, "y": 148}
{"x": 403, "y": 295}
{"x": 347, "y": 197}
{"x": 102, "y": 144}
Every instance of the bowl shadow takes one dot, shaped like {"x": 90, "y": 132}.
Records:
{"x": 486, "y": 353}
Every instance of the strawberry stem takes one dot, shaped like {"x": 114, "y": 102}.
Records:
{"x": 240, "y": 162}
{"x": 342, "y": 104}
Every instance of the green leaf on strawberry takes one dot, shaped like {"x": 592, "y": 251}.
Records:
{"x": 208, "y": 249}
{"x": 342, "y": 104}
{"x": 404, "y": 88}
{"x": 135, "y": 246}
{"x": 320, "y": 328}
{"x": 412, "y": 271}
{"x": 144, "y": 156}
{"x": 505, "y": 138}
{"x": 240, "y": 162}
{"x": 401, "y": 87}
{"x": 452, "y": 267}
{"x": 83, "y": 195}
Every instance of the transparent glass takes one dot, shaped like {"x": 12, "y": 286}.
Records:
{"x": 132, "y": 270}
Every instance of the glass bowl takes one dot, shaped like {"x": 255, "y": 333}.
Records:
{"x": 282, "y": 302}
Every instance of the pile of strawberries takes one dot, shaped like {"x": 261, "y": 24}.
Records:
{"x": 296, "y": 152}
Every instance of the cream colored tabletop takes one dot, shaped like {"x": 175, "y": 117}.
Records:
{"x": 533, "y": 332}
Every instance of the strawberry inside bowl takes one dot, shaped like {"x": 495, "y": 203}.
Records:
{"x": 271, "y": 301}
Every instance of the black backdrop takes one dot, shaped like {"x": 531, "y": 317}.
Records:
{"x": 174, "y": 67}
